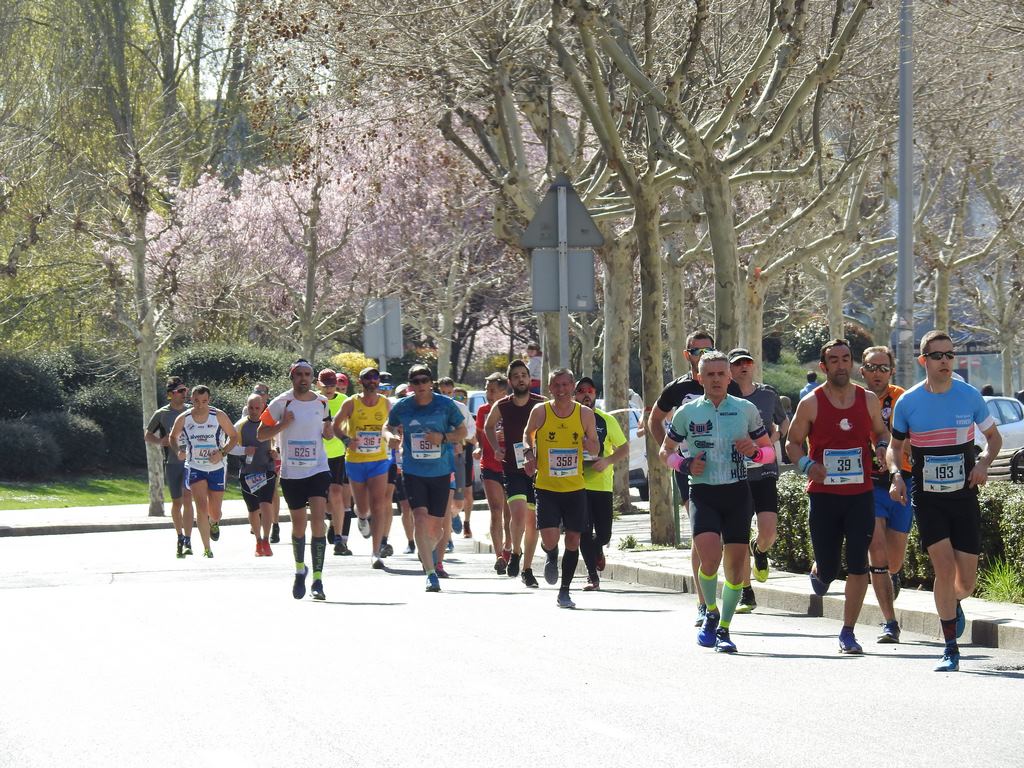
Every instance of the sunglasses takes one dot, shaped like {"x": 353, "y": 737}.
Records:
{"x": 460, "y": 398}
{"x": 178, "y": 391}
{"x": 371, "y": 377}
{"x": 697, "y": 351}
{"x": 940, "y": 355}
{"x": 881, "y": 368}
{"x": 420, "y": 380}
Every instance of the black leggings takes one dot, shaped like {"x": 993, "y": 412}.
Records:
{"x": 836, "y": 518}
{"x": 597, "y": 530}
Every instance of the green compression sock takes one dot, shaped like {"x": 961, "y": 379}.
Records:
{"x": 730, "y": 599}
{"x": 709, "y": 588}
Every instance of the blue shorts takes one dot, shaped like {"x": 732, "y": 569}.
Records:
{"x": 214, "y": 480}
{"x": 362, "y": 471}
{"x": 897, "y": 516}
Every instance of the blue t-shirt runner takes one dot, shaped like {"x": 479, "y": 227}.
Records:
{"x": 711, "y": 431}
{"x": 419, "y": 456}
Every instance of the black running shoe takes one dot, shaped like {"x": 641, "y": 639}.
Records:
{"x": 513, "y": 565}
{"x": 897, "y": 582}
{"x": 188, "y": 546}
{"x": 500, "y": 566}
{"x": 317, "y": 590}
{"x": 747, "y": 601}
{"x": 275, "y": 534}
{"x": 299, "y": 587}
{"x": 528, "y": 579}
{"x": 181, "y": 548}
{"x": 331, "y": 535}
{"x": 214, "y": 531}
{"x": 341, "y": 548}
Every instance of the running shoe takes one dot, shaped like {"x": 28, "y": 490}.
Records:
{"x": 897, "y": 582}
{"x": 564, "y": 601}
{"x": 950, "y": 660}
{"x": 450, "y": 546}
{"x": 848, "y": 643}
{"x": 317, "y": 590}
{"x": 441, "y": 572}
{"x": 500, "y": 566}
{"x": 208, "y": 553}
{"x": 341, "y": 548}
{"x": 593, "y": 584}
{"x": 961, "y": 620}
{"x": 551, "y": 568}
{"x": 299, "y": 587}
{"x": 214, "y": 531}
{"x": 707, "y": 636}
{"x": 702, "y": 611}
{"x": 188, "y": 546}
{"x": 466, "y": 532}
{"x": 331, "y": 535}
{"x": 364, "y": 527}
{"x": 259, "y": 547}
{"x": 890, "y": 633}
{"x": 376, "y": 563}
{"x": 506, "y": 555}
{"x": 410, "y": 548}
{"x": 456, "y": 524}
{"x": 600, "y": 561}
{"x": 723, "y": 643}
{"x": 512, "y": 568}
{"x": 386, "y": 550}
{"x": 528, "y": 579}
{"x": 181, "y": 549}
{"x": 747, "y": 601}
{"x": 275, "y": 534}
{"x": 819, "y": 587}
{"x": 433, "y": 585}
{"x": 760, "y": 562}
{"x": 267, "y": 551}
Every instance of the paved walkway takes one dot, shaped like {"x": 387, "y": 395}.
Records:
{"x": 997, "y": 625}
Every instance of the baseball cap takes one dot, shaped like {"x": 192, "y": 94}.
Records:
{"x": 368, "y": 369}
{"x": 585, "y": 380}
{"x": 735, "y": 355}
{"x": 328, "y": 377}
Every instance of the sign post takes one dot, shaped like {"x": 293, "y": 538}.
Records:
{"x": 382, "y": 330}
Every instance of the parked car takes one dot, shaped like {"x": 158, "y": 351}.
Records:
{"x": 1009, "y": 417}
{"x": 637, "y": 451}
{"x": 475, "y": 399}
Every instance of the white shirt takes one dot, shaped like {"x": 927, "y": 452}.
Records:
{"x": 302, "y": 441}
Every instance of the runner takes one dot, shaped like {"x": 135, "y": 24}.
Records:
{"x": 939, "y": 417}
{"x": 763, "y": 478}
{"x": 453, "y": 522}
{"x": 158, "y": 433}
{"x": 556, "y": 436}
{"x": 495, "y": 388}
{"x": 256, "y": 475}
{"x": 599, "y": 478}
{"x": 461, "y": 396}
{"x": 300, "y": 420}
{"x": 358, "y": 425}
{"x": 841, "y": 420}
{"x": 674, "y": 395}
{"x": 892, "y": 518}
{"x": 332, "y": 385}
{"x": 722, "y": 434}
{"x": 263, "y": 390}
{"x": 512, "y": 412}
{"x": 428, "y": 426}
{"x": 209, "y": 435}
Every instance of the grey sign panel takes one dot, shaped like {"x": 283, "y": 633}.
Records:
{"x": 382, "y": 332}
{"x": 542, "y": 232}
{"x": 544, "y": 277}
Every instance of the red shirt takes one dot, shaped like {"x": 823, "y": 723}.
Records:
{"x": 840, "y": 438}
{"x": 487, "y": 460}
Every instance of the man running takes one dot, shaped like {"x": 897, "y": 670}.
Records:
{"x": 263, "y": 390}
{"x": 256, "y": 475}
{"x": 209, "y": 435}
{"x": 512, "y": 412}
{"x": 763, "y": 478}
{"x": 939, "y": 416}
{"x": 359, "y": 425}
{"x": 598, "y": 479}
{"x": 841, "y": 420}
{"x": 339, "y": 495}
{"x": 892, "y": 518}
{"x": 301, "y": 420}
{"x": 556, "y": 436}
{"x": 428, "y": 427}
{"x": 722, "y": 434}
{"x": 493, "y": 479}
{"x": 673, "y": 396}
{"x": 158, "y": 433}
{"x": 453, "y": 523}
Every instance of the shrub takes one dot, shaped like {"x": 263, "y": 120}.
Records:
{"x": 771, "y": 349}
{"x": 1011, "y": 520}
{"x": 27, "y": 451}
{"x": 792, "y": 549}
{"x": 223, "y": 363}
{"x": 26, "y": 387}
{"x": 351, "y": 363}
{"x": 810, "y": 338}
{"x": 74, "y": 368}
{"x": 118, "y": 412}
{"x": 1001, "y": 582}
{"x": 80, "y": 439}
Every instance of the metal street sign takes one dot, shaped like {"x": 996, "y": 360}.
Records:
{"x": 544, "y": 278}
{"x": 382, "y": 332}
{"x": 580, "y": 230}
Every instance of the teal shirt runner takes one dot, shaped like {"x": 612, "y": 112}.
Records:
{"x": 705, "y": 429}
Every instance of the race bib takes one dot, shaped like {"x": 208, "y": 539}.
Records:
{"x": 369, "y": 442}
{"x": 943, "y": 474}
{"x": 201, "y": 453}
{"x": 563, "y": 462}
{"x": 300, "y": 454}
{"x": 843, "y": 466}
{"x": 256, "y": 481}
{"x": 422, "y": 448}
{"x": 520, "y": 450}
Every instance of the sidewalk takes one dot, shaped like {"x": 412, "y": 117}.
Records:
{"x": 996, "y": 625}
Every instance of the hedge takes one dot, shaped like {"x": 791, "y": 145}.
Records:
{"x": 212, "y": 364}
{"x": 80, "y": 439}
{"x": 117, "y": 409}
{"x": 26, "y": 451}
{"x": 26, "y": 387}
{"x": 808, "y": 340}
{"x": 1002, "y": 530}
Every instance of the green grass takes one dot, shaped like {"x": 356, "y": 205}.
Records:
{"x": 1001, "y": 583}
{"x": 87, "y": 491}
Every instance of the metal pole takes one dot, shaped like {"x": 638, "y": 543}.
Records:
{"x": 563, "y": 279}
{"x": 905, "y": 204}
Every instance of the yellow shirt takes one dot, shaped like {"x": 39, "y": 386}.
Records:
{"x": 334, "y": 447}
{"x": 559, "y": 446}
{"x": 366, "y": 423}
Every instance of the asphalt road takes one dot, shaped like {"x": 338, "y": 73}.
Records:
{"x": 116, "y": 653}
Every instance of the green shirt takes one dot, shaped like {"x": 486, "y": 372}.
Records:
{"x": 334, "y": 447}
{"x": 609, "y": 437}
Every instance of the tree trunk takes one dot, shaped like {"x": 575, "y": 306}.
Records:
{"x": 618, "y": 300}
{"x": 718, "y": 206}
{"x": 834, "y": 289}
{"x": 1006, "y": 349}
{"x": 753, "y": 291}
{"x": 446, "y": 323}
{"x": 547, "y": 322}
{"x": 311, "y": 245}
{"x": 588, "y": 340}
{"x": 676, "y": 329}
{"x": 943, "y": 275}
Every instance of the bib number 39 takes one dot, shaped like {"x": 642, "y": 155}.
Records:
{"x": 843, "y": 466}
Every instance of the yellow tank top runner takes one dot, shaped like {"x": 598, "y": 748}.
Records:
{"x": 560, "y": 451}
{"x": 366, "y": 423}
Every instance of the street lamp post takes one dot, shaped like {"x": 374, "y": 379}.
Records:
{"x": 905, "y": 204}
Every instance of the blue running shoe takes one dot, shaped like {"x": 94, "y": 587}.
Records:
{"x": 950, "y": 660}
{"x": 848, "y": 643}
{"x": 723, "y": 643}
{"x": 820, "y": 587}
{"x": 702, "y": 611}
{"x": 706, "y": 638}
{"x": 564, "y": 601}
{"x": 317, "y": 590}
{"x": 456, "y": 524}
{"x": 890, "y": 633}
{"x": 433, "y": 585}
{"x": 551, "y": 568}
{"x": 961, "y": 620}
{"x": 299, "y": 587}
{"x": 450, "y": 546}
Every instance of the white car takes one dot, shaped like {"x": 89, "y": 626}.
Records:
{"x": 1009, "y": 417}
{"x": 637, "y": 451}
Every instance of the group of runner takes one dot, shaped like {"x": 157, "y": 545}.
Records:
{"x": 874, "y": 457}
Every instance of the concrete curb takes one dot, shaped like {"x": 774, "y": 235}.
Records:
{"x": 154, "y": 523}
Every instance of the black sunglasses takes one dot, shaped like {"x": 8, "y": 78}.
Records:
{"x": 940, "y": 355}
{"x": 697, "y": 351}
{"x": 420, "y": 380}
{"x": 882, "y": 368}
